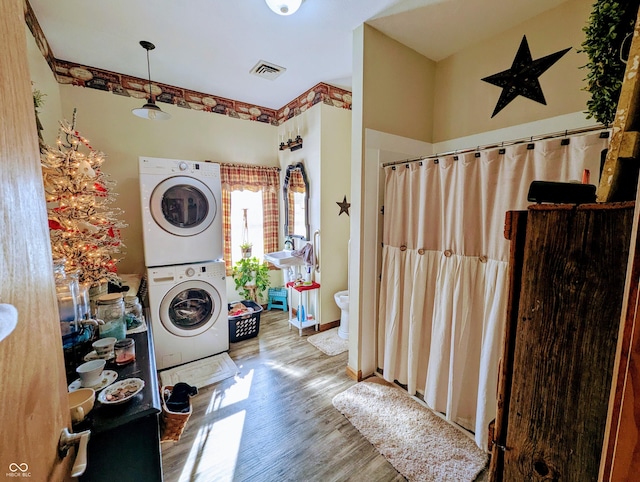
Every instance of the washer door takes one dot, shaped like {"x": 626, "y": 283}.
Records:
{"x": 183, "y": 206}
{"x": 190, "y": 308}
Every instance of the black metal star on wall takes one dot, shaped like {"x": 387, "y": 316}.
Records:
{"x": 522, "y": 77}
{"x": 344, "y": 206}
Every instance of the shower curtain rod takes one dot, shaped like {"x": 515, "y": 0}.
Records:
{"x": 565, "y": 133}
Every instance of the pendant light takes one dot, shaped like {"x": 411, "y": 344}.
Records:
{"x": 150, "y": 110}
{"x": 284, "y": 7}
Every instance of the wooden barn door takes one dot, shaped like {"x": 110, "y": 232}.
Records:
{"x": 566, "y": 329}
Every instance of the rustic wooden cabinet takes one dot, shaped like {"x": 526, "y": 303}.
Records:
{"x": 568, "y": 266}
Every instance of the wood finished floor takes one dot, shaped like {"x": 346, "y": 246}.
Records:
{"x": 274, "y": 421}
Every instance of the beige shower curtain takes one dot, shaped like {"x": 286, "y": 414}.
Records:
{"x": 444, "y": 268}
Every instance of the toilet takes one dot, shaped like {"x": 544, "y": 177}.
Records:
{"x": 342, "y": 300}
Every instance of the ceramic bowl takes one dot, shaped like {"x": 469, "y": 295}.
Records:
{"x": 90, "y": 372}
{"x": 80, "y": 403}
{"x": 104, "y": 347}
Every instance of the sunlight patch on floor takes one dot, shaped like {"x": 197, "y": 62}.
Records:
{"x": 237, "y": 392}
{"x": 289, "y": 370}
{"x": 215, "y": 449}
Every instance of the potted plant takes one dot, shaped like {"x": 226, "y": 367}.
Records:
{"x": 246, "y": 249}
{"x": 251, "y": 277}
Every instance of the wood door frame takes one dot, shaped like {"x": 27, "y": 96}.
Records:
{"x": 33, "y": 393}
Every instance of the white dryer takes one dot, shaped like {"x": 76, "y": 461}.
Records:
{"x": 188, "y": 310}
{"x": 181, "y": 211}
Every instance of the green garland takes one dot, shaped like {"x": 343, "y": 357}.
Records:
{"x": 606, "y": 40}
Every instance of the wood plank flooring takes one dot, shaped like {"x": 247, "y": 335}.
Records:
{"x": 274, "y": 421}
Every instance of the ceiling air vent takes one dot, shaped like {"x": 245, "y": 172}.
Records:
{"x": 267, "y": 70}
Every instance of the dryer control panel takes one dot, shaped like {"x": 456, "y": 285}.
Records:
{"x": 200, "y": 271}
{"x": 155, "y": 165}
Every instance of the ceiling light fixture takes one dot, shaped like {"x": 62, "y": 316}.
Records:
{"x": 150, "y": 110}
{"x": 284, "y": 7}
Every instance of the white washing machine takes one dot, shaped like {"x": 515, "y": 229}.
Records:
{"x": 188, "y": 309}
{"x": 181, "y": 211}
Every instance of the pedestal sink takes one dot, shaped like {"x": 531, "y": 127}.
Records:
{"x": 283, "y": 259}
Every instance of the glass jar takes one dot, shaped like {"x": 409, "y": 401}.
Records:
{"x": 96, "y": 290}
{"x": 84, "y": 307}
{"x": 125, "y": 351}
{"x": 66, "y": 291}
{"x": 110, "y": 309}
{"x": 132, "y": 312}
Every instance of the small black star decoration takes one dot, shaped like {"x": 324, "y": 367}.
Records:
{"x": 522, "y": 77}
{"x": 344, "y": 206}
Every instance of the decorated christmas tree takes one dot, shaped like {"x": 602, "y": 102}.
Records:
{"x": 84, "y": 227}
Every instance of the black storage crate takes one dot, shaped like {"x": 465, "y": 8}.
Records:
{"x": 246, "y": 325}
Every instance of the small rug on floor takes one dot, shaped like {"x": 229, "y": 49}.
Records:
{"x": 419, "y": 444}
{"x": 329, "y": 343}
{"x": 201, "y": 373}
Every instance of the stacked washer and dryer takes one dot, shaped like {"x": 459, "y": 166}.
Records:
{"x": 183, "y": 239}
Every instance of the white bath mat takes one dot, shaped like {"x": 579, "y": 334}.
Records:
{"x": 202, "y": 372}
{"x": 419, "y": 444}
{"x": 329, "y": 343}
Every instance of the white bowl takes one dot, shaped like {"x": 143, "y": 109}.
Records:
{"x": 104, "y": 347}
{"x": 90, "y": 372}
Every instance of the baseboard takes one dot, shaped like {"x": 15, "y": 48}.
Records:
{"x": 328, "y": 326}
{"x": 351, "y": 373}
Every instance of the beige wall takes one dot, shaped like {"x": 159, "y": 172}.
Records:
{"x": 395, "y": 88}
{"x": 335, "y": 184}
{"x": 458, "y": 106}
{"x": 42, "y": 79}
{"x": 106, "y": 120}
{"x": 398, "y": 85}
{"x": 464, "y": 103}
{"x": 326, "y": 156}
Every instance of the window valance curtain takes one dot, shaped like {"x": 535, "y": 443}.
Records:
{"x": 244, "y": 177}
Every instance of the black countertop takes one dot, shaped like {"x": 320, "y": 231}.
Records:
{"x": 108, "y": 417}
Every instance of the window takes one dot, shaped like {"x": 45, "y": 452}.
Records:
{"x": 252, "y": 202}
{"x": 255, "y": 188}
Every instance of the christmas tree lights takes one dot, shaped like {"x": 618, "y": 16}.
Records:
{"x": 83, "y": 226}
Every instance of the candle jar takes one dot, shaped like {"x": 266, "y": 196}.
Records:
{"x": 125, "y": 351}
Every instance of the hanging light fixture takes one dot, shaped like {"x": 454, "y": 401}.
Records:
{"x": 284, "y": 7}
{"x": 150, "y": 110}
